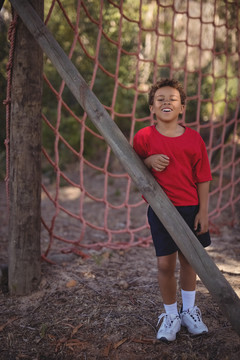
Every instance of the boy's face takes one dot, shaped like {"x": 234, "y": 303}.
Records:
{"x": 167, "y": 104}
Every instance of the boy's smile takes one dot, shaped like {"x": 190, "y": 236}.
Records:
{"x": 167, "y": 109}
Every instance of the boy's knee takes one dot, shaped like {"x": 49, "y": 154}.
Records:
{"x": 167, "y": 264}
{"x": 165, "y": 268}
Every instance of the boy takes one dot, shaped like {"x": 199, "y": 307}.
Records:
{"x": 177, "y": 158}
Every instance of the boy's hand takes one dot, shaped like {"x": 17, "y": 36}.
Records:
{"x": 157, "y": 162}
{"x": 201, "y": 223}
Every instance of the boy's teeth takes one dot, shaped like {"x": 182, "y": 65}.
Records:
{"x": 166, "y": 110}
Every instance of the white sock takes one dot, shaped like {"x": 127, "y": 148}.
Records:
{"x": 188, "y": 299}
{"x": 171, "y": 309}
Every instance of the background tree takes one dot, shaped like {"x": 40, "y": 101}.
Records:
{"x": 25, "y": 162}
{"x": 5, "y": 17}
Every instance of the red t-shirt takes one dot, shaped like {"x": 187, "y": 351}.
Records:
{"x": 188, "y": 162}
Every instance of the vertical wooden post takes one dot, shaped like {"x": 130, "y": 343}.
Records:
{"x": 25, "y": 161}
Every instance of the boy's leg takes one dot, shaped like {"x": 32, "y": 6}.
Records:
{"x": 167, "y": 283}
{"x": 187, "y": 274}
{"x": 188, "y": 283}
{"x": 166, "y": 277}
{"x": 190, "y": 315}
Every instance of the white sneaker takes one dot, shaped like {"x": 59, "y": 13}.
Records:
{"x": 170, "y": 326}
{"x": 192, "y": 320}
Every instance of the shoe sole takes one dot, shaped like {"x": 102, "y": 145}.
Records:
{"x": 202, "y": 333}
{"x": 165, "y": 340}
{"x": 193, "y": 334}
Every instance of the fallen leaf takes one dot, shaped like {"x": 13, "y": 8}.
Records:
{"x": 76, "y": 343}
{"x": 51, "y": 337}
{"x": 89, "y": 275}
{"x": 119, "y": 343}
{"x": 71, "y": 283}
{"x": 75, "y": 330}
{"x": 123, "y": 284}
{"x": 62, "y": 340}
{"x": 60, "y": 343}
{"x": 106, "y": 255}
{"x": 106, "y": 350}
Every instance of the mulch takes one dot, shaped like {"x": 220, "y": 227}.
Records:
{"x": 106, "y": 306}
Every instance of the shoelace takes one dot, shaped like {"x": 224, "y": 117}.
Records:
{"x": 167, "y": 321}
{"x": 196, "y": 314}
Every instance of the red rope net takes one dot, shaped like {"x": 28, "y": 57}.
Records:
{"x": 121, "y": 48}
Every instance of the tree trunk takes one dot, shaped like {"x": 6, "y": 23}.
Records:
{"x": 25, "y": 161}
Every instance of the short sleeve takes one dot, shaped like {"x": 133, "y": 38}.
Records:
{"x": 139, "y": 145}
{"x": 202, "y": 171}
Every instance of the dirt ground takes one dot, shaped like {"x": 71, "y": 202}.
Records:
{"x": 107, "y": 307}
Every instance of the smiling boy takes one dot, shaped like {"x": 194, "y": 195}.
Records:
{"x": 177, "y": 157}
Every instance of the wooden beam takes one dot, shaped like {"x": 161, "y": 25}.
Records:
{"x": 209, "y": 273}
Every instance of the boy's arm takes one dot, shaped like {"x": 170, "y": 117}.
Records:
{"x": 201, "y": 219}
{"x": 158, "y": 162}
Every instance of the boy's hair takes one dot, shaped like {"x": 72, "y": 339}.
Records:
{"x": 166, "y": 82}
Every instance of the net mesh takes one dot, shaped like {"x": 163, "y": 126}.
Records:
{"x": 121, "y": 48}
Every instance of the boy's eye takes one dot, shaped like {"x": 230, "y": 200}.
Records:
{"x": 161, "y": 99}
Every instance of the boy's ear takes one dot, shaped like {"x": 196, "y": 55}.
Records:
{"x": 151, "y": 109}
{"x": 182, "y": 109}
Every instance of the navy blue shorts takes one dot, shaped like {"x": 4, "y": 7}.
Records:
{"x": 163, "y": 242}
